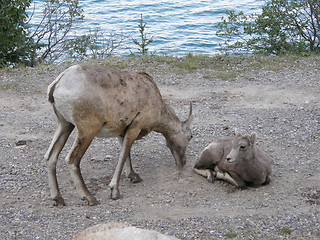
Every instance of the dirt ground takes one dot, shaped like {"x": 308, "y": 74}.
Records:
{"x": 280, "y": 104}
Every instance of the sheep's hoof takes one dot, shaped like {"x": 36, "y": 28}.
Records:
{"x": 115, "y": 194}
{"x": 267, "y": 181}
{"x": 210, "y": 179}
{"x": 94, "y": 203}
{"x": 91, "y": 200}
{"x": 59, "y": 201}
{"x": 135, "y": 178}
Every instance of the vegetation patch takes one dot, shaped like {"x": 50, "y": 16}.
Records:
{"x": 282, "y": 28}
{"x": 9, "y": 85}
{"x": 285, "y": 230}
{"x": 230, "y": 235}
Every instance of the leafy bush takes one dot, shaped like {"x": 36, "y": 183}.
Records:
{"x": 15, "y": 41}
{"x": 46, "y": 42}
{"x": 49, "y": 40}
{"x": 283, "y": 27}
{"x": 50, "y": 34}
{"x": 94, "y": 45}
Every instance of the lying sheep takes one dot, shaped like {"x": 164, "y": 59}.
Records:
{"x": 235, "y": 159}
{"x": 120, "y": 231}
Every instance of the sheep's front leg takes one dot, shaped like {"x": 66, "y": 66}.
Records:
{"x": 208, "y": 173}
{"x": 128, "y": 140}
{"x": 226, "y": 177}
{"x": 130, "y": 173}
{"x": 232, "y": 178}
{"x": 134, "y": 177}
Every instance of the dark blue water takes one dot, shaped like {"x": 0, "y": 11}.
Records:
{"x": 177, "y": 27}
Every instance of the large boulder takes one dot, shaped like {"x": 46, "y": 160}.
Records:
{"x": 120, "y": 231}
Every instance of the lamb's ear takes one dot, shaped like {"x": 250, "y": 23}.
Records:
{"x": 252, "y": 138}
{"x": 236, "y": 132}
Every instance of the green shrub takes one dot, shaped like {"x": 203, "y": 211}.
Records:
{"x": 231, "y": 235}
{"x": 46, "y": 42}
{"x": 283, "y": 27}
{"x": 285, "y": 230}
{"x": 15, "y": 43}
{"x": 50, "y": 35}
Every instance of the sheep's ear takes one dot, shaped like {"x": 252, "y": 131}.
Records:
{"x": 236, "y": 132}
{"x": 252, "y": 138}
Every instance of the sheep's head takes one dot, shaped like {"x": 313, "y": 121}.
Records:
{"x": 178, "y": 142}
{"x": 242, "y": 147}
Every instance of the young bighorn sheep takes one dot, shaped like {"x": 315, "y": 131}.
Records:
{"x": 237, "y": 160}
{"x": 107, "y": 103}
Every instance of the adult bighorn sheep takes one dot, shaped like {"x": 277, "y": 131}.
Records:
{"x": 106, "y": 102}
{"x": 236, "y": 159}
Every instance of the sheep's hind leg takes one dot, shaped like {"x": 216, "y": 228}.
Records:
{"x": 59, "y": 139}
{"x": 73, "y": 159}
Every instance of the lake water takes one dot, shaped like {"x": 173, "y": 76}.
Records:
{"x": 177, "y": 27}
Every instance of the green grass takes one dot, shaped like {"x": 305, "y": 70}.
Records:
{"x": 285, "y": 230}
{"x": 221, "y": 67}
{"x": 7, "y": 86}
{"x": 230, "y": 235}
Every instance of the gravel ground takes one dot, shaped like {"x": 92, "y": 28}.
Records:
{"x": 280, "y": 101}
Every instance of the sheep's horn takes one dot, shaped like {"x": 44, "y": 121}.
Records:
{"x": 190, "y": 117}
{"x": 190, "y": 111}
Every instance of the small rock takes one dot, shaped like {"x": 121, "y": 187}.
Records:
{"x": 21, "y": 142}
{"x": 225, "y": 127}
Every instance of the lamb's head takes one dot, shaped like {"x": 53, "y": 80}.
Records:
{"x": 242, "y": 147}
{"x": 178, "y": 142}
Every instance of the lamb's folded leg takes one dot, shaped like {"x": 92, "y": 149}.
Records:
{"x": 208, "y": 173}
{"x": 226, "y": 177}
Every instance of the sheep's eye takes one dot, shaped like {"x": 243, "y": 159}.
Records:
{"x": 241, "y": 148}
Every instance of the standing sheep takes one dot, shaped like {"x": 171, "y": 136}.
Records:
{"x": 237, "y": 160}
{"x": 106, "y": 102}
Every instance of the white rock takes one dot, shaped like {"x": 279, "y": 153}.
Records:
{"x": 120, "y": 231}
